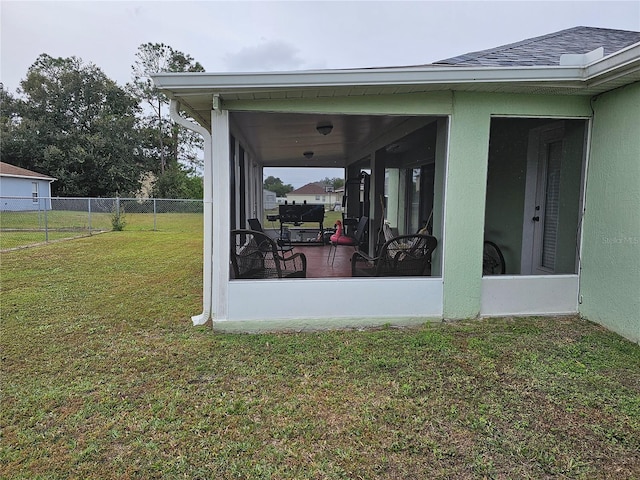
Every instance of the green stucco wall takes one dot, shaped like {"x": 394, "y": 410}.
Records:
{"x": 464, "y": 206}
{"x": 466, "y": 185}
{"x": 610, "y": 280}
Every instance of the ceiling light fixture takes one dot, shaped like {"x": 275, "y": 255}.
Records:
{"x": 395, "y": 148}
{"x": 308, "y": 154}
{"x": 324, "y": 128}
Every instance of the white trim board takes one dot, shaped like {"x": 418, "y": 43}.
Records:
{"x": 529, "y": 295}
{"x": 345, "y": 298}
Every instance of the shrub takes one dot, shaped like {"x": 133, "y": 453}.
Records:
{"x": 118, "y": 220}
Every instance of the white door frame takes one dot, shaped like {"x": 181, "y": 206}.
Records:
{"x": 535, "y": 195}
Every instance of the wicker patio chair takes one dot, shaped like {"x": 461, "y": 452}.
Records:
{"x": 284, "y": 244}
{"x": 405, "y": 255}
{"x": 256, "y": 255}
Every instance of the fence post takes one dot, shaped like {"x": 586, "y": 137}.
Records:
{"x": 89, "y": 210}
{"x": 154, "y": 214}
{"x": 39, "y": 217}
{"x": 46, "y": 224}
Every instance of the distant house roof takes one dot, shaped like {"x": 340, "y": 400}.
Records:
{"x": 547, "y": 49}
{"x": 8, "y": 170}
{"x": 310, "y": 189}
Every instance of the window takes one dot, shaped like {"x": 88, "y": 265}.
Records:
{"x": 317, "y": 198}
{"x": 409, "y": 194}
{"x": 34, "y": 192}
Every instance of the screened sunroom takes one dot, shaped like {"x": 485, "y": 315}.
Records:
{"x": 493, "y": 162}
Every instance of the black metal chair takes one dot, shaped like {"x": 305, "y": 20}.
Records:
{"x": 255, "y": 255}
{"x": 405, "y": 255}
{"x": 284, "y": 244}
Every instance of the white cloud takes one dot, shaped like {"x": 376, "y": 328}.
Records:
{"x": 290, "y": 35}
{"x": 271, "y": 35}
{"x": 266, "y": 56}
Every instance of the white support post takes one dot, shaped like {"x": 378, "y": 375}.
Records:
{"x": 259, "y": 182}
{"x": 236, "y": 194}
{"x": 375, "y": 210}
{"x": 249, "y": 191}
{"x": 221, "y": 212}
{"x": 442, "y": 138}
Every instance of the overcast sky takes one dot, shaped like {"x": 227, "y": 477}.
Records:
{"x": 259, "y": 36}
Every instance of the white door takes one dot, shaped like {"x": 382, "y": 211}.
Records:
{"x": 541, "y": 204}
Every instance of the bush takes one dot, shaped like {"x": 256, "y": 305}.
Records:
{"x": 118, "y": 220}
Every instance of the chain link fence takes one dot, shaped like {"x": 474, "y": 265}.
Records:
{"x": 29, "y": 220}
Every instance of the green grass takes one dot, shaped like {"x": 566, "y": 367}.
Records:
{"x": 32, "y": 220}
{"x": 103, "y": 376}
{"x": 17, "y": 239}
{"x": 18, "y": 229}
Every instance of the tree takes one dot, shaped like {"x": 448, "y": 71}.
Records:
{"x": 74, "y": 123}
{"x": 335, "y": 182}
{"x": 9, "y": 121}
{"x": 173, "y": 143}
{"x": 178, "y": 182}
{"x": 274, "y": 184}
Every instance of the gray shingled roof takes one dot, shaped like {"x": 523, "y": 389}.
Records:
{"x": 546, "y": 50}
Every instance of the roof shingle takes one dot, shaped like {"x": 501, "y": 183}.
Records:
{"x": 315, "y": 188}
{"x": 547, "y": 49}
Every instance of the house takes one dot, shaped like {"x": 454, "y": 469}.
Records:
{"x": 533, "y": 146}
{"x": 22, "y": 189}
{"x": 315, "y": 193}
{"x": 269, "y": 200}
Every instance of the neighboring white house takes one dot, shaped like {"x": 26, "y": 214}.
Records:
{"x": 22, "y": 189}
{"x": 315, "y": 193}
{"x": 269, "y": 199}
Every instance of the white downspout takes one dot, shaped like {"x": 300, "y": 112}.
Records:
{"x": 174, "y": 108}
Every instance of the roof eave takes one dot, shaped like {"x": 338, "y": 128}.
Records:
{"x": 625, "y": 62}
{"x": 426, "y": 75}
{"x": 31, "y": 177}
{"x": 613, "y": 71}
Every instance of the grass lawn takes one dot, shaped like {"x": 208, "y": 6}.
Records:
{"x": 103, "y": 376}
{"x": 19, "y": 229}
